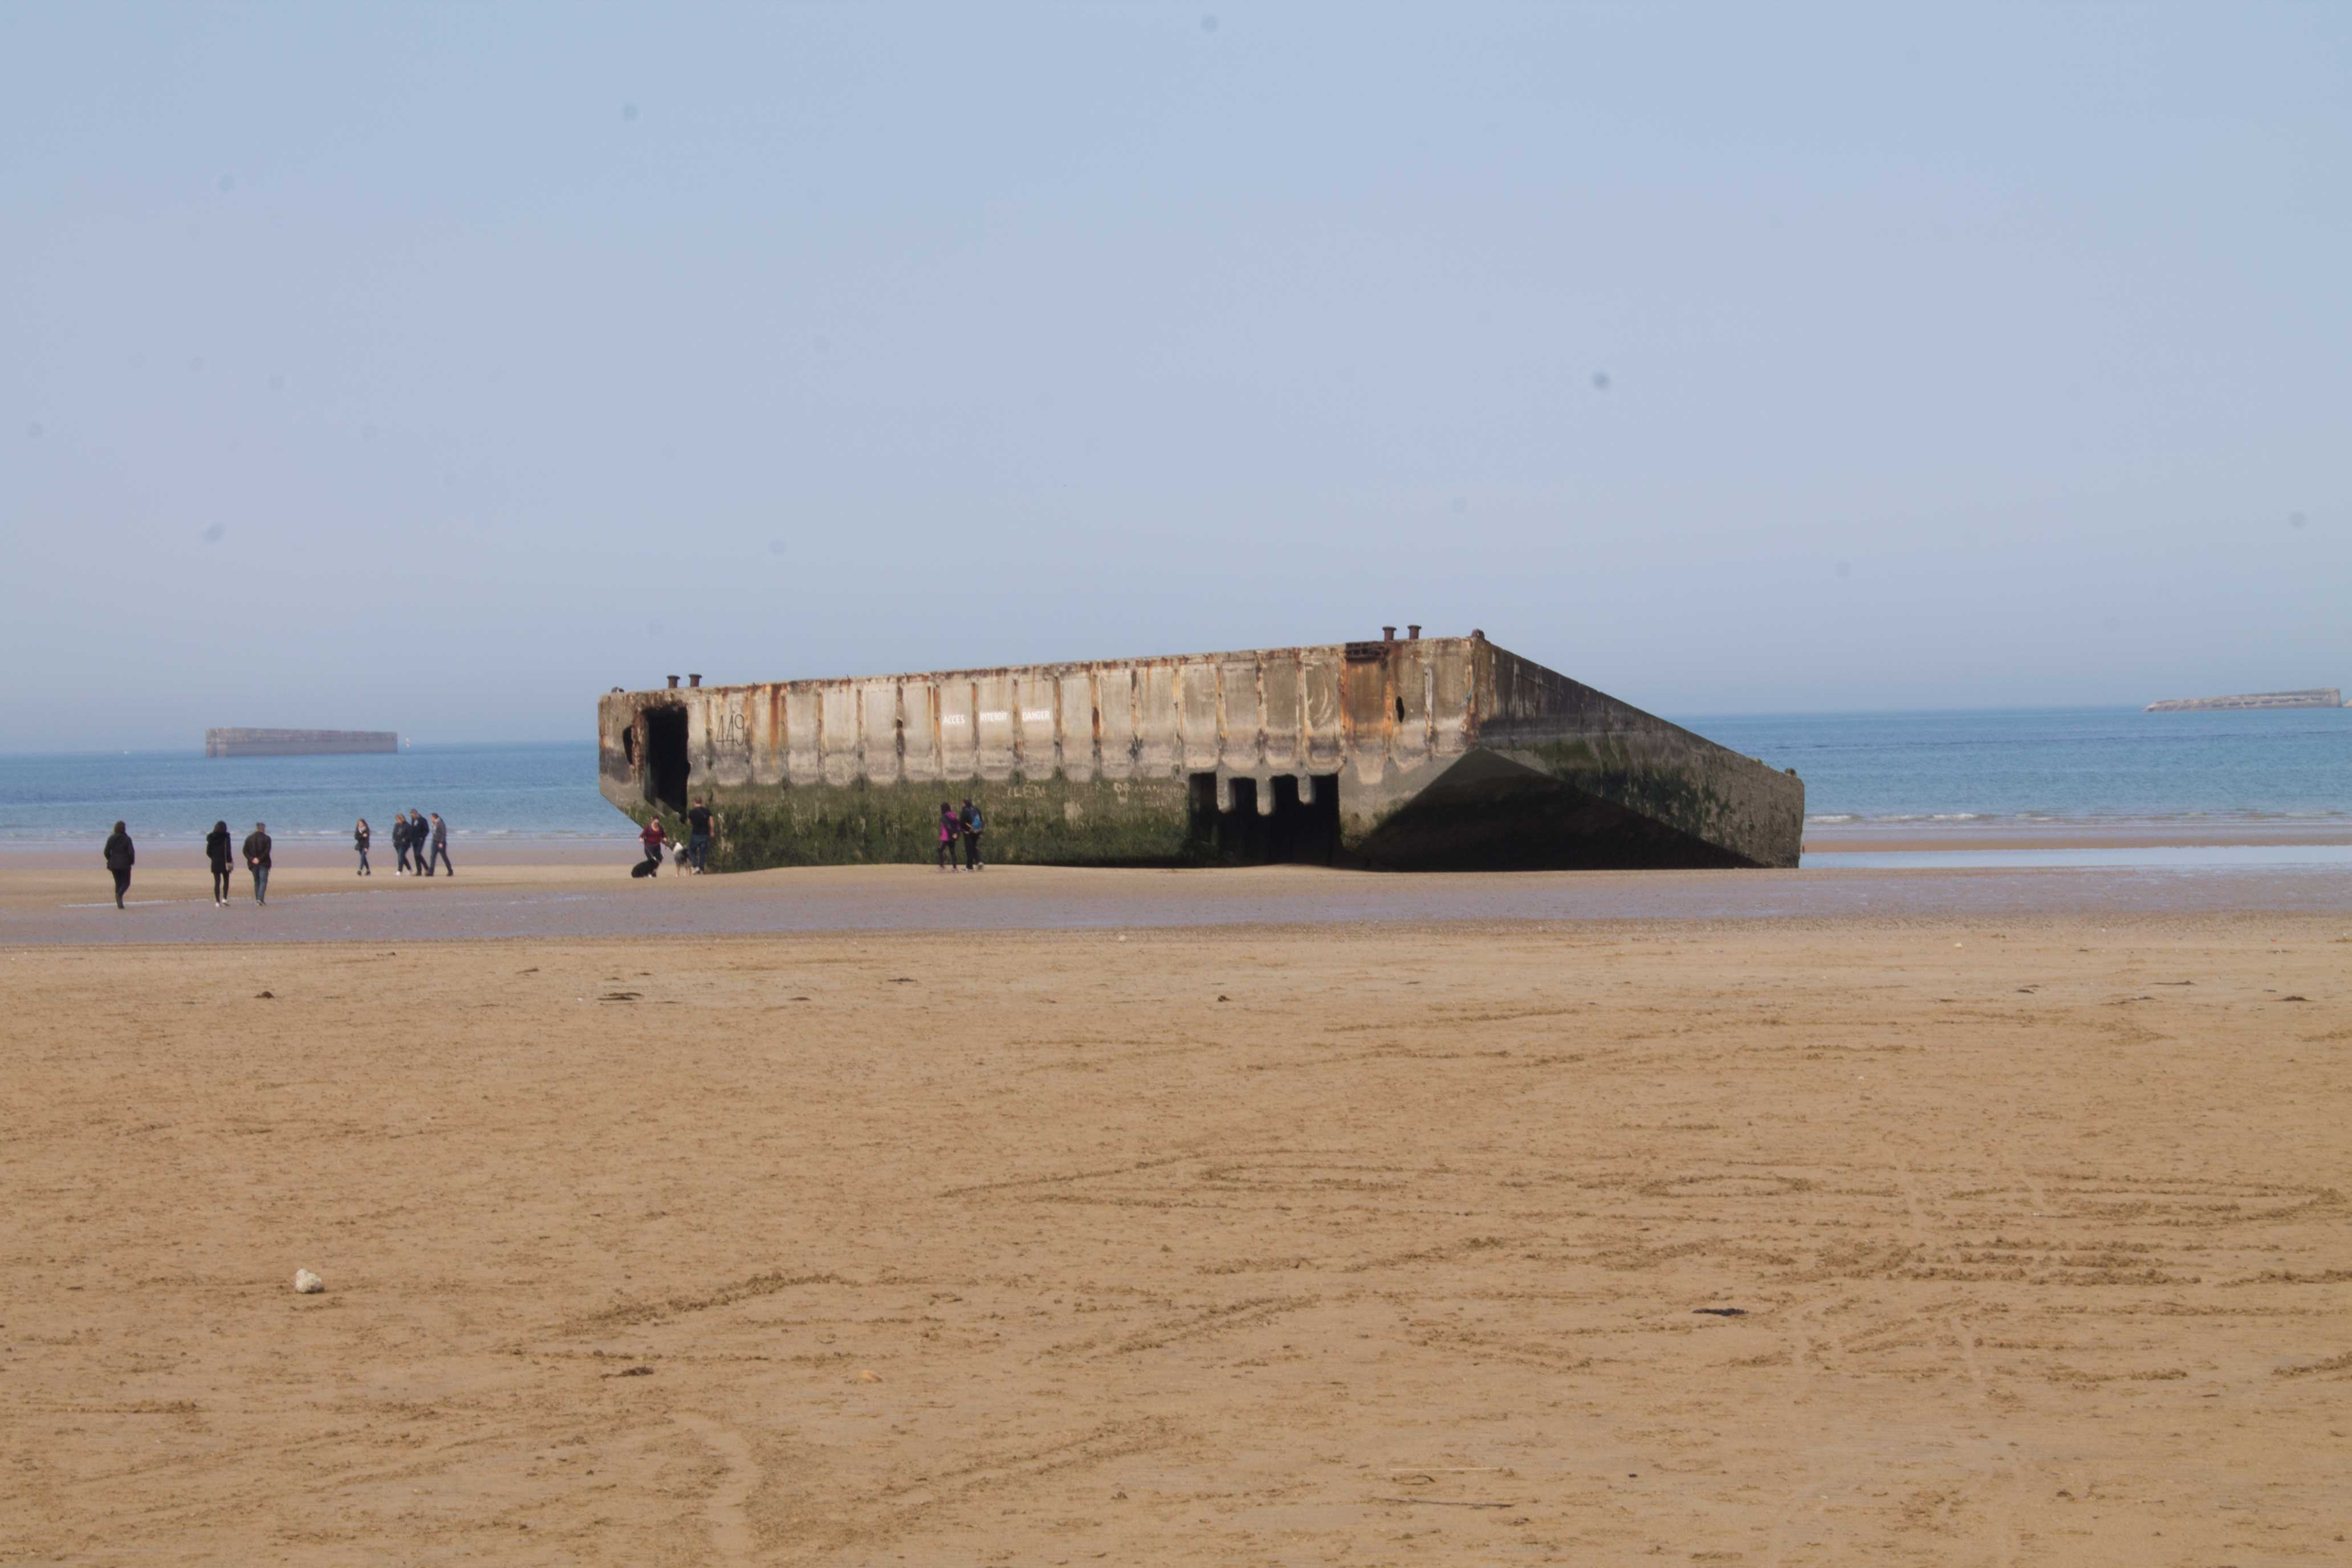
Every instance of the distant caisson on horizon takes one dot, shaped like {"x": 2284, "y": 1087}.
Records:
{"x": 2315, "y": 696}
{"x": 1446, "y": 752}
{"x": 298, "y": 742}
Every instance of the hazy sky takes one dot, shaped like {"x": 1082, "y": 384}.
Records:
{"x": 440, "y": 368}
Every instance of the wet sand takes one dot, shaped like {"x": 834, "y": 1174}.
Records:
{"x": 1791, "y": 1238}
{"x": 59, "y": 904}
{"x": 334, "y": 853}
{"x": 1895, "y": 838}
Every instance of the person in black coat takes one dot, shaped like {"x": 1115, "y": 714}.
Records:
{"x": 119, "y": 857}
{"x": 972, "y": 828}
{"x": 400, "y": 844}
{"x": 221, "y": 849}
{"x": 257, "y": 855}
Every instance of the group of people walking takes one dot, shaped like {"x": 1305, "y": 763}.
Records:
{"x": 413, "y": 838}
{"x": 692, "y": 855}
{"x": 424, "y": 843}
{"x": 120, "y": 855}
{"x": 423, "y": 847}
{"x": 960, "y": 826}
{"x": 960, "y": 830}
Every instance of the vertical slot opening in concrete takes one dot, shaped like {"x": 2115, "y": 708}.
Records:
{"x": 1304, "y": 832}
{"x": 666, "y": 765}
{"x": 1201, "y": 796}
{"x": 1295, "y": 831}
{"x": 1201, "y": 810}
{"x": 1240, "y": 832}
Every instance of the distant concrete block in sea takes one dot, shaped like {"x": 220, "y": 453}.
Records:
{"x": 2317, "y": 696}
{"x": 1447, "y": 753}
{"x": 298, "y": 742}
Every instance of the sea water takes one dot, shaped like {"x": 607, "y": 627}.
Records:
{"x": 2057, "y": 766}
{"x": 536, "y": 791}
{"x": 2045, "y": 766}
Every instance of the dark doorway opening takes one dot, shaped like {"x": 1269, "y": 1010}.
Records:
{"x": 1295, "y": 831}
{"x": 1304, "y": 832}
{"x": 1242, "y": 832}
{"x": 665, "y": 765}
{"x": 1201, "y": 815}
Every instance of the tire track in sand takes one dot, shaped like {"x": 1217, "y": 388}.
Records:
{"x": 1805, "y": 1372}
{"x": 1809, "y": 1431}
{"x": 2000, "y": 1493}
{"x": 724, "y": 1510}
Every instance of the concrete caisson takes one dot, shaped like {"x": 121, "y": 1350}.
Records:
{"x": 1444, "y": 753}
{"x": 243, "y": 742}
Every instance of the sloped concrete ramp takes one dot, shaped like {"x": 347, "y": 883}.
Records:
{"x": 1444, "y": 753}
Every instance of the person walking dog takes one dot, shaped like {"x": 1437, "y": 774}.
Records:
{"x": 256, "y": 858}
{"x": 119, "y": 857}
{"x": 221, "y": 849}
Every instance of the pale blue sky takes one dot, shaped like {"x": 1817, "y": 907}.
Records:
{"x": 438, "y": 369}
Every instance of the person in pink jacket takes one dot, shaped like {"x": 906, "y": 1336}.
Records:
{"x": 950, "y": 831}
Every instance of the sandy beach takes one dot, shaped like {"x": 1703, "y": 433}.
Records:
{"x": 1652, "y": 701}
{"x": 1368, "y": 1238}
{"x": 52, "y": 897}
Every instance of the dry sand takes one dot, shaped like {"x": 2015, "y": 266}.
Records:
{"x": 1361, "y": 1244}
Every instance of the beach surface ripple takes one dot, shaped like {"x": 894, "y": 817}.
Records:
{"x": 1834, "y": 1238}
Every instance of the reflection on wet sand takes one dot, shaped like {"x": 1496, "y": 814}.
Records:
{"x": 53, "y": 904}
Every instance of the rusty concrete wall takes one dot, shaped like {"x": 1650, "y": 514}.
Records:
{"x": 1096, "y": 756}
{"x": 1294, "y": 711}
{"x": 1613, "y": 751}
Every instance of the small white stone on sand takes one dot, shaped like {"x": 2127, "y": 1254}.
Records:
{"x": 307, "y": 1283}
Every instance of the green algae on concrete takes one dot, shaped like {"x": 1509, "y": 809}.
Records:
{"x": 1411, "y": 754}
{"x": 1033, "y": 821}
